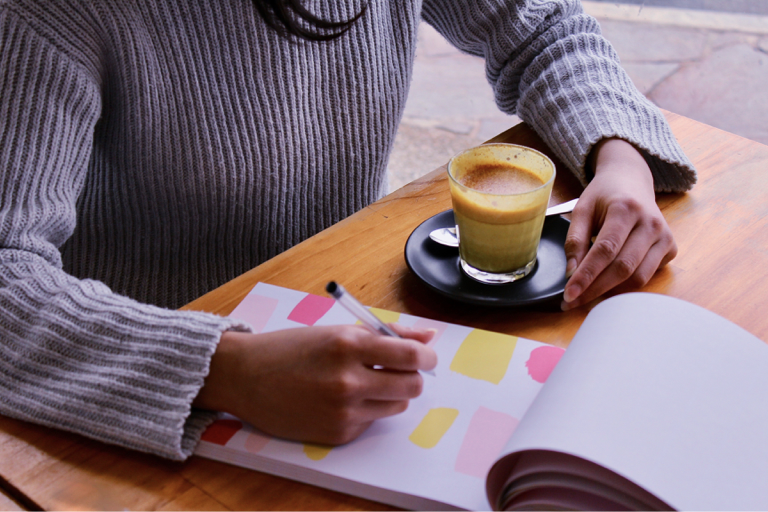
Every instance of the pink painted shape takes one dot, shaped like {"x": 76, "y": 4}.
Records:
{"x": 221, "y": 431}
{"x": 311, "y": 309}
{"x": 254, "y": 443}
{"x": 256, "y": 310}
{"x": 426, "y": 323}
{"x": 542, "y": 361}
{"x": 486, "y": 436}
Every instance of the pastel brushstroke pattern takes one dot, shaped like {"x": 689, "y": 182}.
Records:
{"x": 221, "y": 431}
{"x": 317, "y": 451}
{"x": 388, "y": 317}
{"x": 542, "y": 361}
{"x": 426, "y": 323}
{"x": 256, "y": 310}
{"x": 484, "y": 355}
{"x": 433, "y": 427}
{"x": 255, "y": 442}
{"x": 484, "y": 440}
{"x": 311, "y": 309}
{"x": 446, "y": 423}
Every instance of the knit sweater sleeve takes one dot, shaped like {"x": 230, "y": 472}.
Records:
{"x": 548, "y": 63}
{"x": 74, "y": 355}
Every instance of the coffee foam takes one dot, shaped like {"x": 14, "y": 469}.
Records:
{"x": 500, "y": 179}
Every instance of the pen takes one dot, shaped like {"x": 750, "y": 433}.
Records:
{"x": 351, "y": 304}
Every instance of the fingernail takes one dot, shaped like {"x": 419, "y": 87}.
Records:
{"x": 571, "y": 293}
{"x": 570, "y": 267}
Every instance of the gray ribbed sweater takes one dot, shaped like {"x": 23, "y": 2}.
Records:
{"x": 151, "y": 150}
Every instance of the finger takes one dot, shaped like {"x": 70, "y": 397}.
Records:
{"x": 659, "y": 255}
{"x": 400, "y": 354}
{"x": 422, "y": 335}
{"x": 387, "y": 385}
{"x": 578, "y": 237}
{"x": 634, "y": 266}
{"x": 608, "y": 245}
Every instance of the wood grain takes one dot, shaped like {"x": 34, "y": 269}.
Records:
{"x": 7, "y": 502}
{"x": 722, "y": 232}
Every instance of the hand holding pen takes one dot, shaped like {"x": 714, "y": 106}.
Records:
{"x": 318, "y": 384}
{"x": 351, "y": 304}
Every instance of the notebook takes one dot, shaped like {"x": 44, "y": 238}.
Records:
{"x": 657, "y": 403}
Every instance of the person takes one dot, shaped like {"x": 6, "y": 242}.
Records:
{"x": 151, "y": 150}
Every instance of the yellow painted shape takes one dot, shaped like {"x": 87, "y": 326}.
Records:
{"x": 484, "y": 355}
{"x": 433, "y": 427}
{"x": 317, "y": 451}
{"x": 388, "y": 317}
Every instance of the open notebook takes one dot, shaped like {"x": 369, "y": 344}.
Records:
{"x": 657, "y": 403}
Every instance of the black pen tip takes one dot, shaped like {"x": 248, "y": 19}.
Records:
{"x": 331, "y": 287}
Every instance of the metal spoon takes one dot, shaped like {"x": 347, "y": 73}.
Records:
{"x": 447, "y": 236}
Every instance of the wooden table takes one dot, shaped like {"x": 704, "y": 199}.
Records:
{"x": 721, "y": 229}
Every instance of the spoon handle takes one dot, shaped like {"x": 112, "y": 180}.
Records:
{"x": 565, "y": 207}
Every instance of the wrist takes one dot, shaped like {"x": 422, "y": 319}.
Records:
{"x": 217, "y": 391}
{"x": 614, "y": 155}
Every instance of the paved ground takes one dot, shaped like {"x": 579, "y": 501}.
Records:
{"x": 710, "y": 66}
{"x": 739, "y": 6}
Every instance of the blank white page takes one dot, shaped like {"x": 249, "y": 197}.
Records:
{"x": 665, "y": 393}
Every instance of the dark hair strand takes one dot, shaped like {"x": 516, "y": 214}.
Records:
{"x": 291, "y": 18}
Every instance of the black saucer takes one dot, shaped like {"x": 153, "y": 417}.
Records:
{"x": 438, "y": 267}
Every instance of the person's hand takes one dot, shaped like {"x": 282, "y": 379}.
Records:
{"x": 316, "y": 384}
{"x": 633, "y": 238}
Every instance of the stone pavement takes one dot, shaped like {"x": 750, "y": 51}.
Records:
{"x": 709, "y": 66}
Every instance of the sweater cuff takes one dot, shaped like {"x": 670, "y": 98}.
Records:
{"x": 197, "y": 420}
{"x": 572, "y": 119}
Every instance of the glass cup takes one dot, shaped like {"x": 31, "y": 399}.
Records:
{"x": 500, "y": 195}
